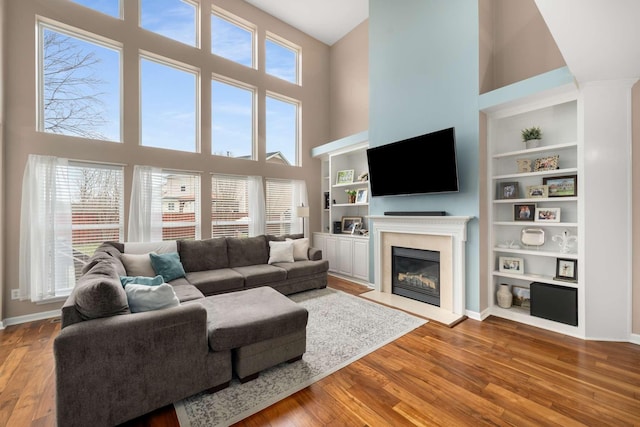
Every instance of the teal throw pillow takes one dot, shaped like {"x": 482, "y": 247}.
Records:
{"x": 141, "y": 280}
{"x": 167, "y": 265}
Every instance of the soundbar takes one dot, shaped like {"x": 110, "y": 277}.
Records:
{"x": 415, "y": 213}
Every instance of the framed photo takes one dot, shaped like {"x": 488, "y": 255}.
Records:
{"x": 511, "y": 265}
{"x": 524, "y": 165}
{"x": 566, "y": 269}
{"x": 345, "y": 177}
{"x": 361, "y": 195}
{"x": 524, "y": 211}
{"x": 546, "y": 163}
{"x": 547, "y": 214}
{"x": 562, "y": 186}
{"x": 508, "y": 190}
{"x": 349, "y": 223}
{"x": 534, "y": 191}
{"x": 521, "y": 296}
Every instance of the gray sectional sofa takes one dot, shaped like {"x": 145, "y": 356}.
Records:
{"x": 113, "y": 365}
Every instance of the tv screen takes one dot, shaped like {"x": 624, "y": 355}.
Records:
{"x": 418, "y": 165}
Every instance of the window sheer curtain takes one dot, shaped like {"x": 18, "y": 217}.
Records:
{"x": 299, "y": 198}
{"x": 145, "y": 208}
{"x": 46, "y": 257}
{"x": 257, "y": 212}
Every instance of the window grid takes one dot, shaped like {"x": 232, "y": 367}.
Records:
{"x": 282, "y": 59}
{"x": 278, "y": 201}
{"x": 282, "y": 129}
{"x": 229, "y": 206}
{"x": 180, "y": 208}
{"x": 233, "y": 30}
{"x": 233, "y": 126}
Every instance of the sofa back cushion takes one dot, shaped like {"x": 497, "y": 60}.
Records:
{"x": 247, "y": 251}
{"x": 203, "y": 255}
{"x": 99, "y": 292}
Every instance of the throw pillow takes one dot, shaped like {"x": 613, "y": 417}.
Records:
{"x": 167, "y": 265}
{"x": 147, "y": 298}
{"x": 300, "y": 249}
{"x": 137, "y": 265}
{"x": 280, "y": 252}
{"x": 141, "y": 280}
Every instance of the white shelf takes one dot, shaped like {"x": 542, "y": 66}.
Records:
{"x": 538, "y": 200}
{"x": 559, "y": 172}
{"x": 536, "y": 278}
{"x": 535, "y": 150}
{"x": 352, "y": 184}
{"x": 538, "y": 223}
{"x": 522, "y": 315}
{"x": 536, "y": 252}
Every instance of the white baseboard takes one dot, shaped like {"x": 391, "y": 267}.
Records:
{"x": 473, "y": 315}
{"x": 29, "y": 318}
{"x": 634, "y": 339}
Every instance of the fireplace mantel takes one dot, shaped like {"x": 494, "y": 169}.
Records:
{"x": 453, "y": 227}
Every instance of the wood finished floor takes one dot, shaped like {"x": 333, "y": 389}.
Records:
{"x": 495, "y": 372}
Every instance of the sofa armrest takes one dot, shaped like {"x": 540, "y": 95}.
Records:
{"x": 315, "y": 254}
{"x": 112, "y": 369}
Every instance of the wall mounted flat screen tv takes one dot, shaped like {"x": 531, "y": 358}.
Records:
{"x": 418, "y": 165}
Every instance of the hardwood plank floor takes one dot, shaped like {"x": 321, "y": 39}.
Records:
{"x": 495, "y": 372}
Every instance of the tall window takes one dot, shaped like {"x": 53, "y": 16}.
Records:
{"x": 169, "y": 108}
{"x": 282, "y": 130}
{"x": 279, "y": 206}
{"x": 68, "y": 210}
{"x": 229, "y": 206}
{"x": 282, "y": 59}
{"x": 79, "y": 84}
{"x": 180, "y": 208}
{"x": 108, "y": 7}
{"x": 175, "y": 19}
{"x": 232, "y": 38}
{"x": 232, "y": 121}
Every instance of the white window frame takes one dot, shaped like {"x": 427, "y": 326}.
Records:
{"x": 198, "y": 36}
{"x": 238, "y": 22}
{"x": 274, "y": 38}
{"x": 167, "y": 225}
{"x": 297, "y": 161}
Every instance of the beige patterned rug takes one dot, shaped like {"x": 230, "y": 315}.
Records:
{"x": 342, "y": 328}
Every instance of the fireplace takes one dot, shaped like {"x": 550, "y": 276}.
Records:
{"x": 416, "y": 274}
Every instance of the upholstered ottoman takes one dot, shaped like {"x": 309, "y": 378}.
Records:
{"x": 261, "y": 326}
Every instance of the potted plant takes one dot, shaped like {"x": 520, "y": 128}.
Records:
{"x": 352, "y": 195}
{"x": 532, "y": 136}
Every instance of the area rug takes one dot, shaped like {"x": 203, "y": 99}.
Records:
{"x": 341, "y": 329}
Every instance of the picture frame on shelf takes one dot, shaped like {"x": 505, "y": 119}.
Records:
{"x": 521, "y": 296}
{"x": 348, "y": 223}
{"x": 345, "y": 176}
{"x": 513, "y": 265}
{"x": 508, "y": 190}
{"x": 524, "y": 211}
{"x": 547, "y": 215}
{"x": 524, "y": 165}
{"x": 546, "y": 163}
{"x": 537, "y": 191}
{"x": 562, "y": 186}
{"x": 361, "y": 196}
{"x": 566, "y": 270}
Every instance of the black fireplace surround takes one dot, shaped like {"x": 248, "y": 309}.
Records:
{"x": 416, "y": 274}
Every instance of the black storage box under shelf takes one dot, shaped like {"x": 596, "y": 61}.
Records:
{"x": 554, "y": 302}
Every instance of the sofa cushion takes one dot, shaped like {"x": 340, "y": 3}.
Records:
{"x": 161, "y": 247}
{"x": 99, "y": 293}
{"x": 148, "y": 298}
{"x": 280, "y": 252}
{"x": 300, "y": 249}
{"x": 303, "y": 268}
{"x": 216, "y": 281}
{"x": 138, "y": 265}
{"x": 262, "y": 274}
{"x": 247, "y": 251}
{"x": 167, "y": 265}
{"x": 185, "y": 290}
{"x": 201, "y": 255}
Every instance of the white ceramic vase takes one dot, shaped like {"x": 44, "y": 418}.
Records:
{"x": 504, "y": 296}
{"x": 532, "y": 143}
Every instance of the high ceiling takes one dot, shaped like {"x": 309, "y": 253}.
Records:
{"x": 325, "y": 20}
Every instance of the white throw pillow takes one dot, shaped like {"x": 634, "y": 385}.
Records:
{"x": 147, "y": 298}
{"x": 280, "y": 251}
{"x": 300, "y": 249}
{"x": 137, "y": 265}
{"x": 163, "y": 247}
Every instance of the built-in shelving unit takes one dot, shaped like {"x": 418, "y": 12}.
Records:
{"x": 348, "y": 254}
{"x": 557, "y": 116}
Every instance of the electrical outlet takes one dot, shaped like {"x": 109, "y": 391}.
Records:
{"x": 15, "y": 293}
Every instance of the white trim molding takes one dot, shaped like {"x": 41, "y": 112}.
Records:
{"x": 10, "y": 321}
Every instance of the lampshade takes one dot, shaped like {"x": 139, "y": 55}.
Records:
{"x": 302, "y": 211}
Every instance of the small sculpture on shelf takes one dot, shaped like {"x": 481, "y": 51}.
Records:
{"x": 566, "y": 242}
{"x": 532, "y": 136}
{"x": 363, "y": 177}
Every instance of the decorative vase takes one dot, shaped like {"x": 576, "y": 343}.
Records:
{"x": 504, "y": 296}
{"x": 532, "y": 143}
{"x": 352, "y": 198}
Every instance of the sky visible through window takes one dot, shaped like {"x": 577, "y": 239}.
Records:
{"x": 168, "y": 95}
